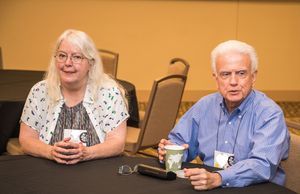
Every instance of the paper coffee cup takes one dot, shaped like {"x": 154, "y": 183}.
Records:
{"x": 76, "y": 135}
{"x": 174, "y": 156}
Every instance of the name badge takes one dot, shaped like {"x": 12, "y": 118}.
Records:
{"x": 76, "y": 135}
{"x": 223, "y": 159}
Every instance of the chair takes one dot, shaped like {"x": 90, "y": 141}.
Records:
{"x": 10, "y": 113}
{"x": 291, "y": 165}
{"x": 178, "y": 66}
{"x": 14, "y": 147}
{"x": 292, "y": 124}
{"x": 160, "y": 114}
{"x": 110, "y": 61}
{"x": 1, "y": 59}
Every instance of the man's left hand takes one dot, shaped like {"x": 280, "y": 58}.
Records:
{"x": 201, "y": 179}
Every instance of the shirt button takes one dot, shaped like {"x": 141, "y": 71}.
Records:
{"x": 229, "y": 123}
{"x": 227, "y": 184}
{"x": 240, "y": 116}
{"x": 226, "y": 142}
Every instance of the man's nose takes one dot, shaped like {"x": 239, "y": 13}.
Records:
{"x": 233, "y": 80}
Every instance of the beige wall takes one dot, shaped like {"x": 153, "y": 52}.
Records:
{"x": 147, "y": 34}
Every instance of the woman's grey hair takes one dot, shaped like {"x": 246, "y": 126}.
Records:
{"x": 237, "y": 46}
{"x": 97, "y": 77}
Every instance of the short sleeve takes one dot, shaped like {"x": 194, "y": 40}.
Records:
{"x": 115, "y": 109}
{"x": 31, "y": 112}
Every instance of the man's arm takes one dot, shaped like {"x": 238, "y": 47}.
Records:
{"x": 186, "y": 132}
{"x": 271, "y": 144}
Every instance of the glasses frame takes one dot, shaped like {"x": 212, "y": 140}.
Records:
{"x": 73, "y": 56}
{"x": 127, "y": 170}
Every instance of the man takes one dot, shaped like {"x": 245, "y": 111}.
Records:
{"x": 237, "y": 129}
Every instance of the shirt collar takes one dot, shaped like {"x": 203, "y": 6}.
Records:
{"x": 88, "y": 97}
{"x": 242, "y": 107}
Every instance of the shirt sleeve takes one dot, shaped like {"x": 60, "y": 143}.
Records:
{"x": 30, "y": 115}
{"x": 271, "y": 144}
{"x": 115, "y": 108}
{"x": 186, "y": 132}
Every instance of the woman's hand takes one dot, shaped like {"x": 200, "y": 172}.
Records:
{"x": 67, "y": 152}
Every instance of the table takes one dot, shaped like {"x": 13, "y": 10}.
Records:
{"x": 14, "y": 88}
{"x": 26, "y": 174}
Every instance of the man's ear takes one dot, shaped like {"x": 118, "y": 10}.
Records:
{"x": 254, "y": 74}
{"x": 214, "y": 74}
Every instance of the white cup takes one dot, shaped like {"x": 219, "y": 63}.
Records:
{"x": 174, "y": 156}
{"x": 76, "y": 135}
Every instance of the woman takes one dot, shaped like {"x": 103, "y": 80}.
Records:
{"x": 78, "y": 96}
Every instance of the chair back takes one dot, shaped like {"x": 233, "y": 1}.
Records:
{"x": 1, "y": 59}
{"x": 110, "y": 61}
{"x": 10, "y": 114}
{"x": 178, "y": 66}
{"x": 291, "y": 165}
{"x": 162, "y": 110}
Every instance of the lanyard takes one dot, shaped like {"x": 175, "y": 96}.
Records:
{"x": 237, "y": 133}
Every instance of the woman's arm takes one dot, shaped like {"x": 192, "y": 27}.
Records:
{"x": 113, "y": 144}
{"x": 30, "y": 143}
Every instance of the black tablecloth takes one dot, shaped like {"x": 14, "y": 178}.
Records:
{"x": 25, "y": 174}
{"x": 14, "y": 88}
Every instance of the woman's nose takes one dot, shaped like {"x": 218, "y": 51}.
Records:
{"x": 68, "y": 62}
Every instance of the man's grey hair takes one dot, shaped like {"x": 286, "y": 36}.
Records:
{"x": 237, "y": 46}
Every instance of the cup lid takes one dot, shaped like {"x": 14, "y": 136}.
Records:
{"x": 174, "y": 147}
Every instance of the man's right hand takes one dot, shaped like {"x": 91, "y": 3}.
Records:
{"x": 161, "y": 148}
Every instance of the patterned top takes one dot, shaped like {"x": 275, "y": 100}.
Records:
{"x": 105, "y": 113}
{"x": 75, "y": 118}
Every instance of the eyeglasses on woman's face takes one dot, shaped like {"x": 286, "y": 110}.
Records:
{"x": 62, "y": 57}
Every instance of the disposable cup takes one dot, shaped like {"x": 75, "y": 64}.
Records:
{"x": 174, "y": 156}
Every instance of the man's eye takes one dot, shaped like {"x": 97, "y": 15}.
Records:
{"x": 225, "y": 74}
{"x": 242, "y": 73}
